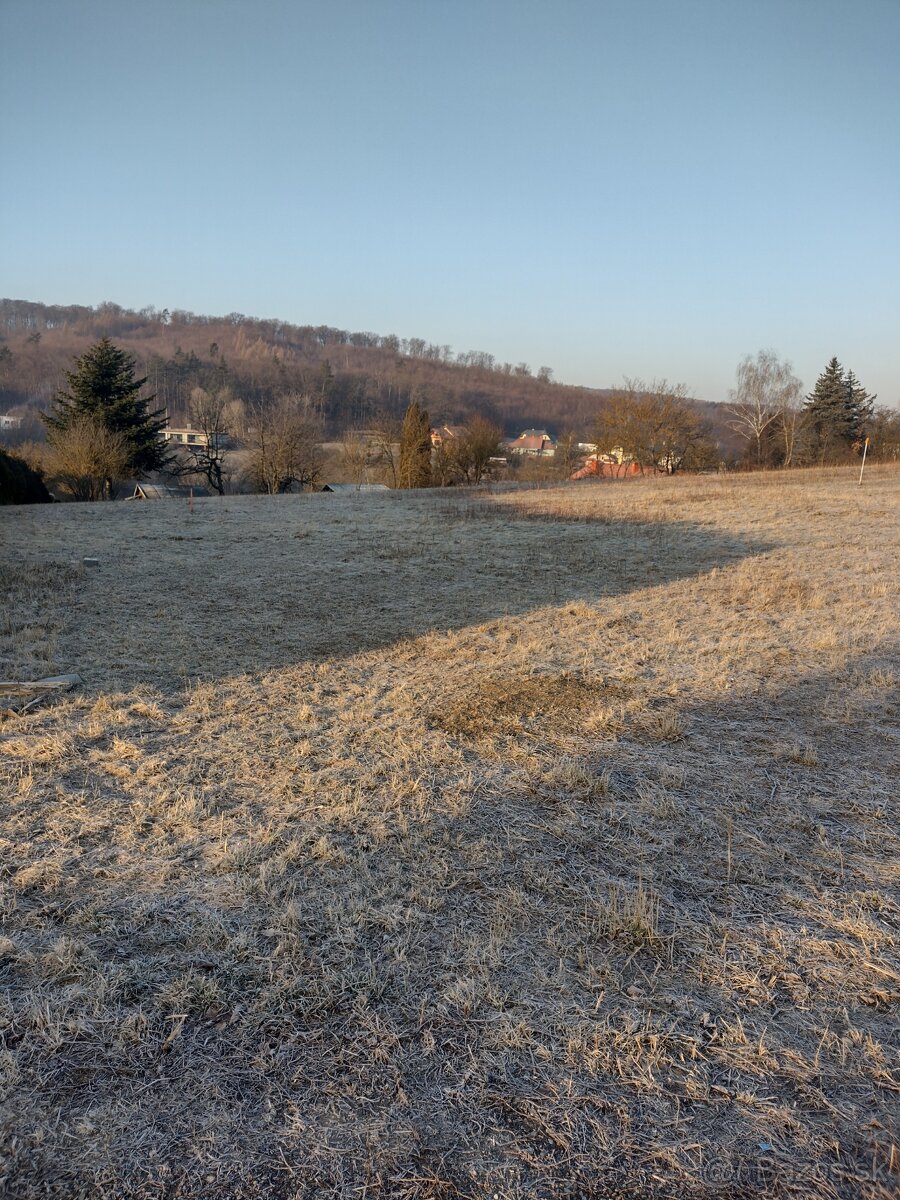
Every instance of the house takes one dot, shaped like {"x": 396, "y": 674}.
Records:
{"x": 8, "y": 421}
{"x": 604, "y": 466}
{"x": 165, "y": 491}
{"x": 195, "y": 438}
{"x": 446, "y": 433}
{"x": 536, "y": 443}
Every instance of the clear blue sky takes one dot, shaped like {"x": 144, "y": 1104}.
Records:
{"x": 638, "y": 187}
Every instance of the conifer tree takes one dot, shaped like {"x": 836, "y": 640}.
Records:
{"x": 836, "y": 411}
{"x": 103, "y": 389}
{"x": 861, "y": 405}
{"x": 415, "y": 448}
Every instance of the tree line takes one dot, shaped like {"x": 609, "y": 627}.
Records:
{"x": 659, "y": 427}
{"x": 102, "y": 428}
{"x": 351, "y": 376}
{"x": 829, "y": 425}
{"x": 105, "y": 423}
{"x": 116, "y": 321}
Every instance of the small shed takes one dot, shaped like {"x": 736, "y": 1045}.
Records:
{"x": 165, "y": 491}
{"x": 355, "y": 487}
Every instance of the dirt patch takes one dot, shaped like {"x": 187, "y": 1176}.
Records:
{"x": 521, "y": 704}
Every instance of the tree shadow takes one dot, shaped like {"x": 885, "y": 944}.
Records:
{"x": 472, "y": 981}
{"x": 257, "y": 583}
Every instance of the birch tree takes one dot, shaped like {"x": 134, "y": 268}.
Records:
{"x": 766, "y": 390}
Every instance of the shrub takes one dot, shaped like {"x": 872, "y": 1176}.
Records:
{"x": 19, "y": 483}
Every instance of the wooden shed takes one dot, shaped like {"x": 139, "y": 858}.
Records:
{"x": 165, "y": 491}
{"x": 355, "y": 487}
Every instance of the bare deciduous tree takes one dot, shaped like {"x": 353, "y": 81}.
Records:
{"x": 475, "y": 448}
{"x": 767, "y": 390}
{"x": 285, "y": 445}
{"x": 88, "y": 458}
{"x": 654, "y": 425}
{"x": 444, "y": 466}
{"x": 884, "y": 432}
{"x": 386, "y": 439}
{"x": 791, "y": 426}
{"x": 358, "y": 455}
{"x": 567, "y": 455}
{"x": 210, "y": 411}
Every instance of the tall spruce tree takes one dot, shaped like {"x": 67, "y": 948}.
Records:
{"x": 103, "y": 388}
{"x": 415, "y": 448}
{"x": 862, "y": 405}
{"x": 836, "y": 412}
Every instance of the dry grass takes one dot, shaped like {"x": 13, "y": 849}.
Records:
{"x": 537, "y": 844}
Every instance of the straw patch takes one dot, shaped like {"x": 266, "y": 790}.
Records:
{"x": 517, "y": 705}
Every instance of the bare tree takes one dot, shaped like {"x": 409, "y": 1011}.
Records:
{"x": 235, "y": 416}
{"x": 618, "y": 431}
{"x": 210, "y": 413}
{"x": 654, "y": 425}
{"x": 285, "y": 445}
{"x": 475, "y": 448}
{"x": 767, "y": 390}
{"x": 356, "y": 456}
{"x": 791, "y": 426}
{"x": 444, "y": 465}
{"x": 567, "y": 456}
{"x": 385, "y": 433}
{"x": 682, "y": 440}
{"x": 88, "y": 458}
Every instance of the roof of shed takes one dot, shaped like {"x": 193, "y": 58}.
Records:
{"x": 355, "y": 487}
{"x": 165, "y": 491}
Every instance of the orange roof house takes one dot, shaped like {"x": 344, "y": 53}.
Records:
{"x": 536, "y": 443}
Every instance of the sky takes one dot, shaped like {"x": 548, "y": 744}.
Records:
{"x": 612, "y": 188}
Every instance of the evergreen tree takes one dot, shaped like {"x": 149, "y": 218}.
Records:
{"x": 862, "y": 405}
{"x": 836, "y": 412}
{"x": 415, "y": 448}
{"x": 103, "y": 389}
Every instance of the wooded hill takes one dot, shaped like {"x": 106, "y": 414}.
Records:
{"x": 351, "y": 378}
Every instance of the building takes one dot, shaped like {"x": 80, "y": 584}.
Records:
{"x": 165, "y": 491}
{"x": 536, "y": 443}
{"x": 355, "y": 487}
{"x": 446, "y": 433}
{"x": 196, "y": 438}
{"x": 604, "y": 466}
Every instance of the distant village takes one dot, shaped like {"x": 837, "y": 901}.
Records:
{"x": 193, "y": 445}
{"x": 530, "y": 444}
{"x": 539, "y": 443}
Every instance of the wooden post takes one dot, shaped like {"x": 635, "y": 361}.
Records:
{"x": 863, "y": 467}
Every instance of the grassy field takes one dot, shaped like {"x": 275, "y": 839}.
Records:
{"x": 538, "y": 844}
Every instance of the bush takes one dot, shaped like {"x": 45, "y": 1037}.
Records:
{"x": 19, "y": 483}
{"x": 87, "y": 458}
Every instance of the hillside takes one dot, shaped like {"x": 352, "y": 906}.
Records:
{"x": 352, "y": 377}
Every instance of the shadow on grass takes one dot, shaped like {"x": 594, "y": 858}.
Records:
{"x": 251, "y": 584}
{"x": 471, "y": 1012}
